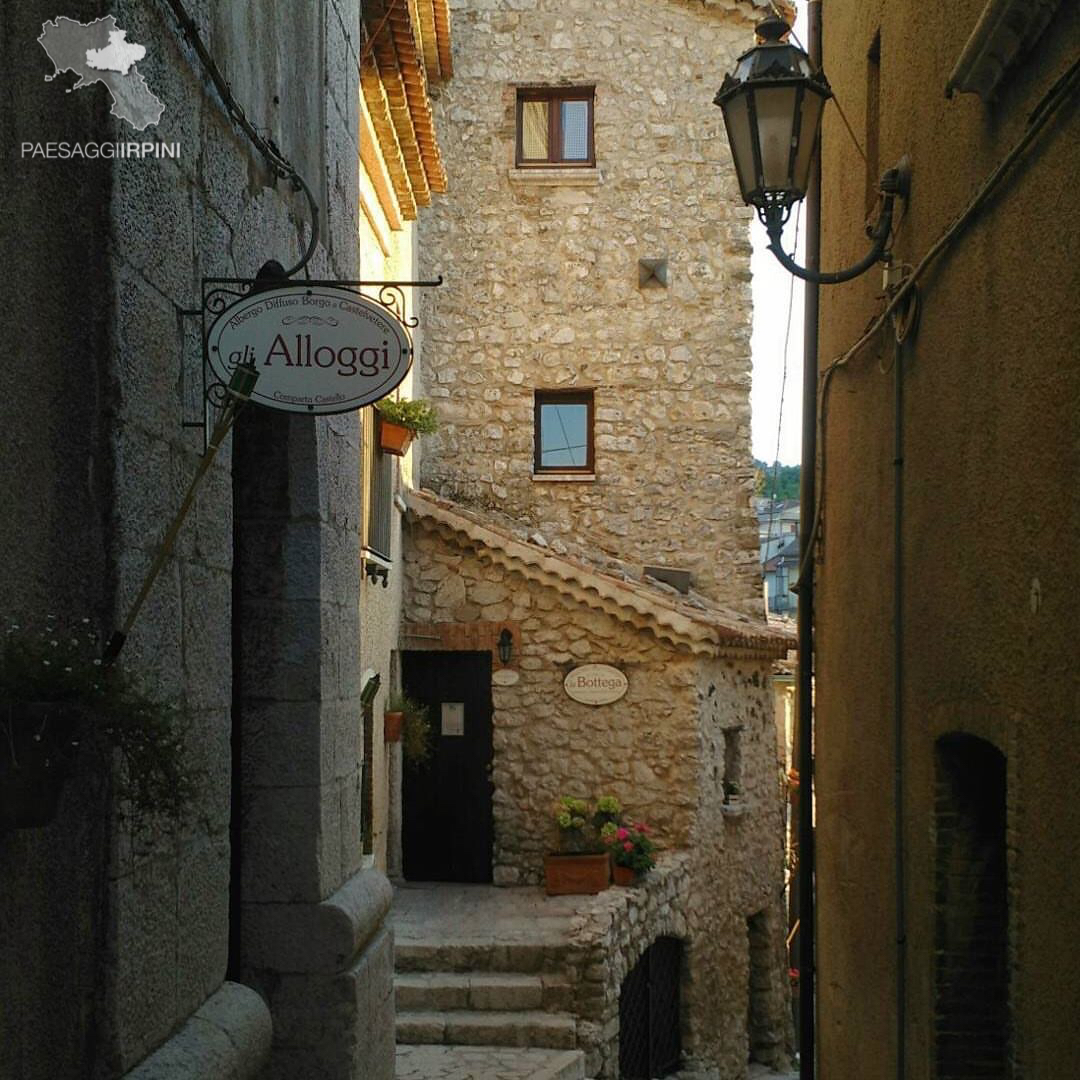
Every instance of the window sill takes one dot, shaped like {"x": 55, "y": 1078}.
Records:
{"x": 555, "y": 176}
{"x": 564, "y": 478}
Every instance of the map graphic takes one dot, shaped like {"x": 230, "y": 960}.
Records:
{"x": 99, "y": 52}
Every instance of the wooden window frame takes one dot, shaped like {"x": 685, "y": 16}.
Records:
{"x": 564, "y": 397}
{"x": 554, "y": 95}
{"x": 379, "y": 470}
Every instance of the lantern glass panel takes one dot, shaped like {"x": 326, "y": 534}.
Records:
{"x": 737, "y": 121}
{"x": 775, "y": 109}
{"x": 812, "y": 105}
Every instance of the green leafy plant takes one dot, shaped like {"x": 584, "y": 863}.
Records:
{"x": 415, "y": 730}
{"x": 576, "y": 832}
{"x": 418, "y": 416}
{"x": 56, "y": 692}
{"x": 608, "y": 809}
{"x": 631, "y": 845}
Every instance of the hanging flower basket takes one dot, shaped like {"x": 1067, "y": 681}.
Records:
{"x": 394, "y": 438}
{"x": 38, "y": 744}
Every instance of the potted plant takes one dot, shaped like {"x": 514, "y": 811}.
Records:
{"x": 406, "y": 721}
{"x": 632, "y": 850}
{"x": 61, "y": 707}
{"x": 581, "y": 864}
{"x": 401, "y": 421}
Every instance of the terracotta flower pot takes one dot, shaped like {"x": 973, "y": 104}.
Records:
{"x": 624, "y": 875}
{"x": 392, "y": 723}
{"x": 38, "y": 742}
{"x": 576, "y": 875}
{"x": 394, "y": 438}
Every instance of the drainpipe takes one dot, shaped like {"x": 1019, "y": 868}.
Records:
{"x": 898, "y": 704}
{"x": 806, "y": 594}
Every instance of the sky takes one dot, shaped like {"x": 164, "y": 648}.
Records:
{"x": 775, "y": 293}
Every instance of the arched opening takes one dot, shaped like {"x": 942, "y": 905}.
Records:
{"x": 650, "y": 1042}
{"x": 971, "y": 971}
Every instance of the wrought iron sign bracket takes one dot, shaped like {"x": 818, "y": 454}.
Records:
{"x": 220, "y": 293}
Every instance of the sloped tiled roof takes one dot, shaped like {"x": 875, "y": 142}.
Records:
{"x": 402, "y": 41}
{"x": 694, "y": 624}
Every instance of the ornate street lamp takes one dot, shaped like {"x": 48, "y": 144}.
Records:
{"x": 772, "y": 106}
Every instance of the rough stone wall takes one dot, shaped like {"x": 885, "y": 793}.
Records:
{"x": 612, "y": 930}
{"x": 739, "y": 868}
{"x": 542, "y": 285}
{"x": 117, "y": 251}
{"x": 660, "y": 749}
{"x": 643, "y": 749}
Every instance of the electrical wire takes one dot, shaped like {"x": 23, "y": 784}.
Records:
{"x": 835, "y": 100}
{"x": 783, "y": 387}
{"x": 278, "y": 162}
{"x": 906, "y": 293}
{"x": 1040, "y": 116}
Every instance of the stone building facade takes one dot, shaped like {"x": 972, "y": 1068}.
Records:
{"x": 629, "y": 277}
{"x": 615, "y": 278}
{"x": 251, "y": 941}
{"x": 695, "y": 725}
{"x": 986, "y": 712}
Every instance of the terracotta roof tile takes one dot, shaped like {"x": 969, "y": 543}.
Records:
{"x": 697, "y": 625}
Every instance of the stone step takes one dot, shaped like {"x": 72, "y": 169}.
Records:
{"x": 459, "y": 1027}
{"x": 473, "y": 1062}
{"x": 423, "y": 991}
{"x": 411, "y": 955}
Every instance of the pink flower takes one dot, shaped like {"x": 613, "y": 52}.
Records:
{"x": 628, "y": 846}
{"x": 622, "y": 834}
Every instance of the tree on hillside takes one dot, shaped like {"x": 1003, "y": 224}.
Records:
{"x": 776, "y": 481}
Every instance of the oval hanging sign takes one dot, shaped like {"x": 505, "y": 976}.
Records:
{"x": 317, "y": 349}
{"x": 596, "y": 684}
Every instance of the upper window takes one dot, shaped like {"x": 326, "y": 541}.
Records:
{"x": 563, "y": 439}
{"x": 555, "y": 126}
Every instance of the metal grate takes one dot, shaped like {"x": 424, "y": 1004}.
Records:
{"x": 649, "y": 1039}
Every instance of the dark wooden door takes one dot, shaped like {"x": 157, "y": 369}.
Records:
{"x": 447, "y": 827}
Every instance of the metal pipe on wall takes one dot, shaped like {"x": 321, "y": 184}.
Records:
{"x": 807, "y": 502}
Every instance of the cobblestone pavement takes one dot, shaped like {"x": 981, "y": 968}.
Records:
{"x": 478, "y": 1063}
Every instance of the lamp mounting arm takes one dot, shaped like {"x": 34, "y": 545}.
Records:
{"x": 896, "y": 183}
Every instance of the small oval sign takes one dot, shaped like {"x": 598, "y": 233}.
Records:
{"x": 317, "y": 349}
{"x": 596, "y": 684}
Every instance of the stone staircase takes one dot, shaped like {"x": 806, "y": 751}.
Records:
{"x": 483, "y": 1001}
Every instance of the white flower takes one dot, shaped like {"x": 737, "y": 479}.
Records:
{"x": 45, "y": 662}
{"x": 97, "y": 663}
{"x": 67, "y": 669}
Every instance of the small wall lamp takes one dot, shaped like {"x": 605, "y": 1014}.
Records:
{"x": 506, "y": 646}
{"x": 772, "y": 105}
